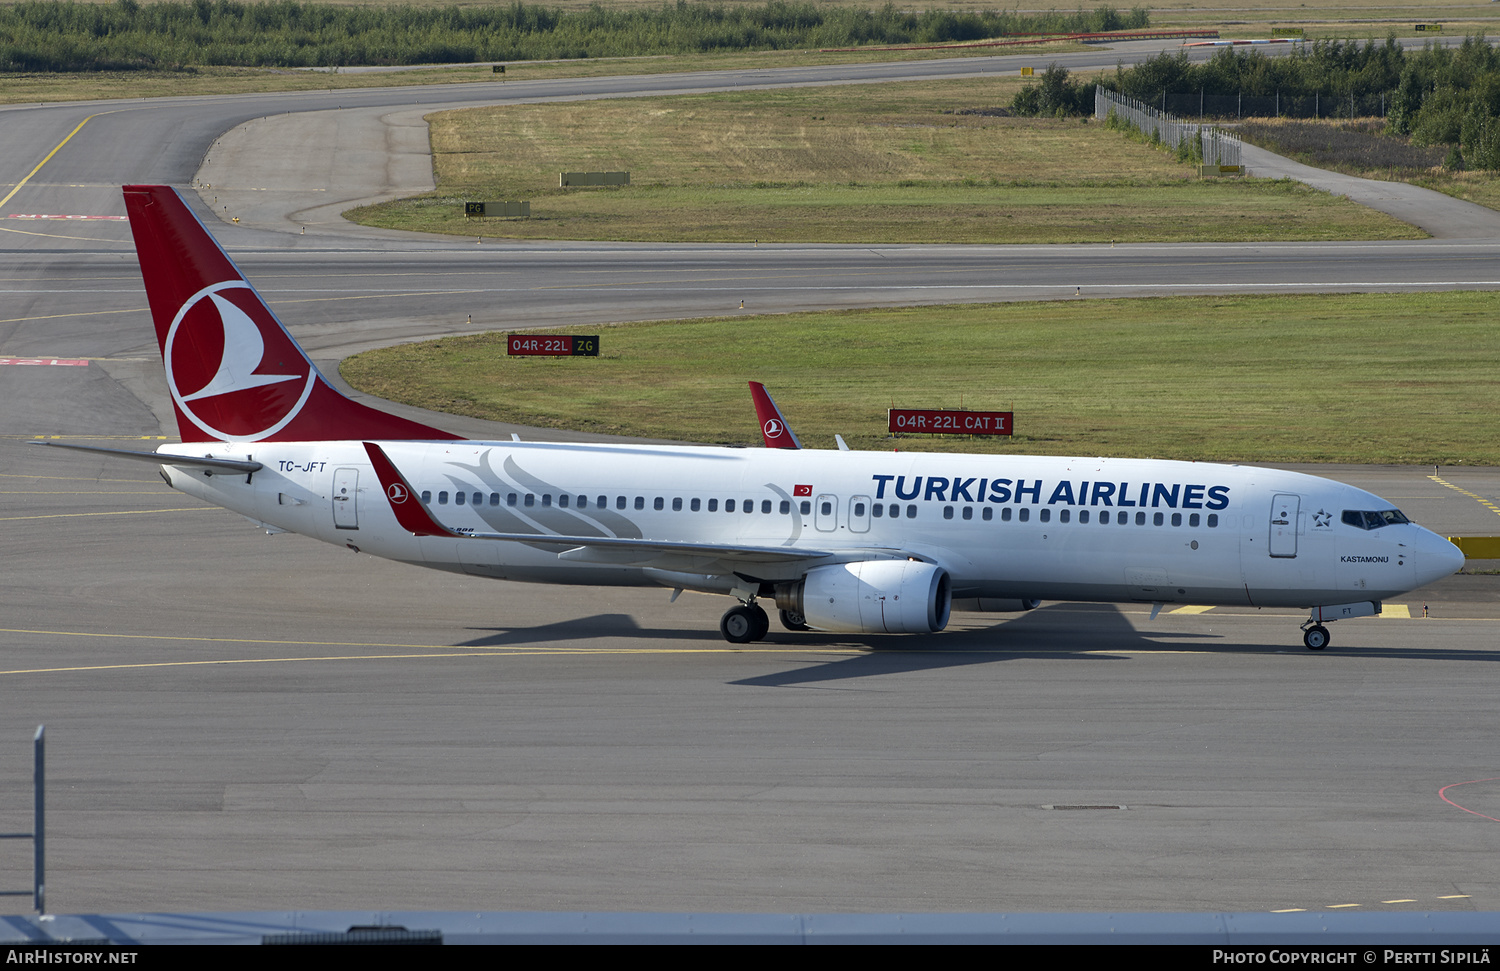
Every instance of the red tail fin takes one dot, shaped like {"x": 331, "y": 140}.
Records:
{"x": 234, "y": 372}
{"x": 773, "y": 426}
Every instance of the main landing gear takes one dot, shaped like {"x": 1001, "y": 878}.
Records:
{"x": 744, "y": 623}
{"x": 792, "y": 620}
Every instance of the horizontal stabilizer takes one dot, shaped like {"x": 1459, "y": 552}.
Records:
{"x": 163, "y": 458}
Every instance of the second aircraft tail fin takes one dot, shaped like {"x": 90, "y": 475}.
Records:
{"x": 773, "y": 426}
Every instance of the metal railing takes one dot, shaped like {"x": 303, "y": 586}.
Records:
{"x": 1217, "y": 146}
{"x": 37, "y": 834}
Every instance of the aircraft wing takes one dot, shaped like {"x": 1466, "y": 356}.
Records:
{"x": 664, "y": 554}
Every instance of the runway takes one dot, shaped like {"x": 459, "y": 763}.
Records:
{"x": 238, "y": 721}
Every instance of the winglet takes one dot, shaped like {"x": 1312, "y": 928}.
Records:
{"x": 410, "y": 513}
{"x": 773, "y": 426}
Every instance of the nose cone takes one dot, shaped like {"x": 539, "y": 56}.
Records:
{"x": 1436, "y": 558}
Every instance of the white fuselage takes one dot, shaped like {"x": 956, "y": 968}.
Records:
{"x": 1114, "y": 530}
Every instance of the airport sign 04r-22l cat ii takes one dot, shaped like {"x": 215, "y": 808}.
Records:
{"x": 844, "y": 541}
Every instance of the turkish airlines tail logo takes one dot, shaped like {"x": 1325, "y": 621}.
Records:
{"x": 234, "y": 372}
{"x": 773, "y": 427}
{"x": 244, "y": 349}
{"x": 231, "y": 368}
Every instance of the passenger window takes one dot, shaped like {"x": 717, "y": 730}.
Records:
{"x": 1213, "y": 520}
{"x": 619, "y": 502}
{"x": 658, "y": 505}
{"x": 1005, "y": 515}
{"x": 878, "y": 510}
{"x": 805, "y": 507}
{"x": 748, "y": 505}
{"x": 765, "y": 507}
{"x": 1024, "y": 514}
{"x": 713, "y": 505}
{"x": 426, "y": 495}
{"x": 510, "y": 499}
{"x": 442, "y": 498}
{"x": 458, "y": 498}
{"x": 695, "y": 504}
{"x": 583, "y": 502}
{"x": 1158, "y": 519}
{"x": 530, "y": 500}
{"x": 1140, "y": 519}
{"x": 968, "y": 512}
{"x": 1177, "y": 519}
{"x": 947, "y": 512}
{"x": 602, "y": 502}
{"x": 786, "y": 508}
{"x": 640, "y": 502}
{"x": 547, "y": 499}
{"x": 729, "y": 505}
{"x": 988, "y": 514}
{"x": 1063, "y": 515}
{"x": 911, "y": 512}
{"x": 826, "y": 509}
{"x": 562, "y": 501}
{"x": 1083, "y": 515}
{"x": 677, "y": 504}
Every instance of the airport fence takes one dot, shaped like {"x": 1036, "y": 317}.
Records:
{"x": 1217, "y": 146}
{"x": 1319, "y": 104}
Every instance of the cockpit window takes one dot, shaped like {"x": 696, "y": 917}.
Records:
{"x": 1368, "y": 519}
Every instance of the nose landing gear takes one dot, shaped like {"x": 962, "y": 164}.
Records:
{"x": 1315, "y": 637}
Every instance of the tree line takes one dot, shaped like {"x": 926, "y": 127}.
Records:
{"x": 47, "y": 35}
{"x": 1436, "y": 95}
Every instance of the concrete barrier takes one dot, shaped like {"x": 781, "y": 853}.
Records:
{"x": 1478, "y": 547}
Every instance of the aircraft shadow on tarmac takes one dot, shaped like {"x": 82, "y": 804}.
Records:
{"x": 597, "y": 626}
{"x": 1071, "y": 631}
{"x": 1105, "y": 627}
{"x": 1055, "y": 633}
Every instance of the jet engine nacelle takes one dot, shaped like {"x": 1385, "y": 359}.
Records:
{"x": 871, "y": 597}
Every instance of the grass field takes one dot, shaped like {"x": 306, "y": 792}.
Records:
{"x": 863, "y": 163}
{"x": 1352, "y": 378}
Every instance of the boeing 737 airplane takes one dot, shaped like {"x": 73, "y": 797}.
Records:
{"x": 846, "y": 541}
